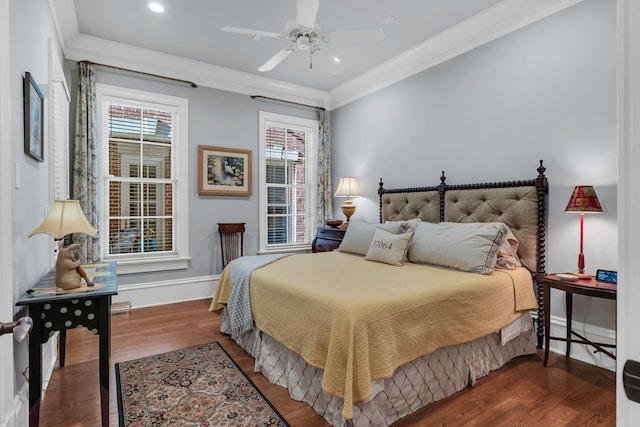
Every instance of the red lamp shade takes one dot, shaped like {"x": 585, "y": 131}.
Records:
{"x": 583, "y": 200}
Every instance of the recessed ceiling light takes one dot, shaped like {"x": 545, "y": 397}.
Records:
{"x": 388, "y": 19}
{"x": 336, "y": 59}
{"x": 156, "y": 7}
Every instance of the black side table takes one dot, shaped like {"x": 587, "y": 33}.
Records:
{"x": 57, "y": 310}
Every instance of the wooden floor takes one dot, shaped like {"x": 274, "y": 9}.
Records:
{"x": 523, "y": 393}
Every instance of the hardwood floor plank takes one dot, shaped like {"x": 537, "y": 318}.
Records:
{"x": 523, "y": 393}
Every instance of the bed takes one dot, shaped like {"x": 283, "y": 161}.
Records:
{"x": 411, "y": 310}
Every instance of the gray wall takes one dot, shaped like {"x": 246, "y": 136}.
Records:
{"x": 216, "y": 118}
{"x": 28, "y": 52}
{"x": 547, "y": 91}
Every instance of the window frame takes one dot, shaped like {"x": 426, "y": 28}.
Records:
{"x": 311, "y": 128}
{"x": 148, "y": 262}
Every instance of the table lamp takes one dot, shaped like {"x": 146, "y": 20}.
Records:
{"x": 347, "y": 187}
{"x": 583, "y": 200}
{"x": 66, "y": 217}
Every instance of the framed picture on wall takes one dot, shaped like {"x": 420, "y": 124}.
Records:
{"x": 224, "y": 171}
{"x": 33, "y": 118}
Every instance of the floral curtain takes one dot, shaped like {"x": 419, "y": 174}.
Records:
{"x": 85, "y": 159}
{"x": 324, "y": 196}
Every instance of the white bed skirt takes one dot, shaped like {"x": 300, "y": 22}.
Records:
{"x": 413, "y": 385}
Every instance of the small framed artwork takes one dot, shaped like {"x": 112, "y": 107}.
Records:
{"x": 224, "y": 171}
{"x": 33, "y": 119}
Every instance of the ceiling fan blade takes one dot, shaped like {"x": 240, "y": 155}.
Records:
{"x": 250, "y": 32}
{"x": 355, "y": 36}
{"x": 306, "y": 13}
{"x": 276, "y": 59}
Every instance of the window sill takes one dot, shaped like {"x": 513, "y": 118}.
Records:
{"x": 152, "y": 265}
{"x": 284, "y": 250}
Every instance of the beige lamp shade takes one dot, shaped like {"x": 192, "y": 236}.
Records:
{"x": 347, "y": 187}
{"x": 65, "y": 217}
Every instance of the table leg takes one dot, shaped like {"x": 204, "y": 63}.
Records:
{"x": 104, "y": 333}
{"x": 569, "y": 308}
{"x": 63, "y": 346}
{"x": 35, "y": 366}
{"x": 546, "y": 296}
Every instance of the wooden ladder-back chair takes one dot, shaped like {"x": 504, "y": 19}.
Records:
{"x": 231, "y": 241}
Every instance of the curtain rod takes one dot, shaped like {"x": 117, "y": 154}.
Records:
{"x": 192, "y": 84}
{"x": 287, "y": 102}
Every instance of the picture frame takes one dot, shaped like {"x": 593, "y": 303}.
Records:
{"x": 33, "y": 118}
{"x": 224, "y": 171}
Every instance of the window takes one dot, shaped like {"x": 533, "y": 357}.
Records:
{"x": 143, "y": 140}
{"x": 287, "y": 182}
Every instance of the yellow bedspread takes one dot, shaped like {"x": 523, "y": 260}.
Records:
{"x": 359, "y": 320}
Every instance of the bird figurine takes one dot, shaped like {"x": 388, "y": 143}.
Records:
{"x": 228, "y": 169}
{"x": 67, "y": 275}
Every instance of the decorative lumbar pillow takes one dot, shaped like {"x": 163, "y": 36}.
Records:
{"x": 359, "y": 235}
{"x": 463, "y": 248}
{"x": 387, "y": 247}
{"x": 508, "y": 251}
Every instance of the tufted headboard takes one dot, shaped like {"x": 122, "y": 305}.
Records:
{"x": 521, "y": 205}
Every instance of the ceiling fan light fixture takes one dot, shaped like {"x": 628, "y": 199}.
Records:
{"x": 303, "y": 42}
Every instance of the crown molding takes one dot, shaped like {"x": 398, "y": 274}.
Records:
{"x": 497, "y": 21}
{"x": 88, "y": 48}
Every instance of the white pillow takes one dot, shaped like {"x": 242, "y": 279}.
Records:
{"x": 463, "y": 248}
{"x": 508, "y": 252}
{"x": 357, "y": 239}
{"x": 389, "y": 248}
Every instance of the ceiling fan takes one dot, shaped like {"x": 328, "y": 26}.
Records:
{"x": 304, "y": 34}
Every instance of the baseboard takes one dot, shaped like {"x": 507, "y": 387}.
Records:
{"x": 583, "y": 352}
{"x": 49, "y": 358}
{"x": 19, "y": 414}
{"x": 150, "y": 294}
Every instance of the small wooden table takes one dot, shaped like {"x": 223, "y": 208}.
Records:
{"x": 57, "y": 310}
{"x": 588, "y": 286}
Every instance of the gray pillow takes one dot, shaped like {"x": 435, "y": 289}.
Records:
{"x": 467, "y": 249}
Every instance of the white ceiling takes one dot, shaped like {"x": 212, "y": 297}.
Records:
{"x": 192, "y": 29}
{"x": 188, "y": 36}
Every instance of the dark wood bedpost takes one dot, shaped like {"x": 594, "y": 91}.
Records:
{"x": 380, "y": 193}
{"x": 442, "y": 189}
{"x": 542, "y": 188}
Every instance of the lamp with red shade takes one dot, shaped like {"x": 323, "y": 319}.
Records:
{"x": 583, "y": 200}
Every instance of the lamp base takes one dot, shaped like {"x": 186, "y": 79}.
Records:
{"x": 348, "y": 209}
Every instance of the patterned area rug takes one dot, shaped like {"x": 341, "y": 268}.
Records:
{"x": 197, "y": 386}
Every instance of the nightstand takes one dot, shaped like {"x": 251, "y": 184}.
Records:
{"x": 588, "y": 286}
{"x": 327, "y": 239}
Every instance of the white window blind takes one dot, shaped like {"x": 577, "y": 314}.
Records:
{"x": 58, "y": 133}
{"x": 140, "y": 180}
{"x": 59, "y": 139}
